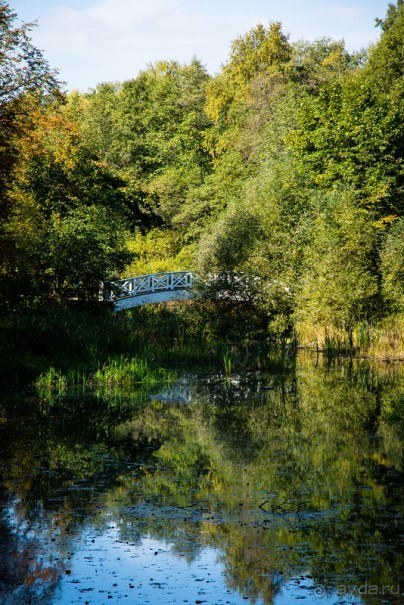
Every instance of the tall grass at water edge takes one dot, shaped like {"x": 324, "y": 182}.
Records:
{"x": 121, "y": 371}
{"x": 126, "y": 372}
{"x": 384, "y": 340}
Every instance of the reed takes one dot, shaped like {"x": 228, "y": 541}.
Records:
{"x": 121, "y": 371}
{"x": 386, "y": 340}
{"x": 383, "y": 340}
{"x": 128, "y": 372}
{"x": 52, "y": 380}
{"x": 227, "y": 362}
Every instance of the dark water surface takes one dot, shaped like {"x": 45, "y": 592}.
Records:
{"x": 271, "y": 488}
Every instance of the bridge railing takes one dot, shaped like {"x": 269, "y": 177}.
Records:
{"x": 148, "y": 284}
{"x": 225, "y": 286}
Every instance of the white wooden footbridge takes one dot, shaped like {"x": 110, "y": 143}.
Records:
{"x": 176, "y": 285}
{"x": 149, "y": 289}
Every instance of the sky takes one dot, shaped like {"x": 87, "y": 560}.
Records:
{"x": 94, "y": 41}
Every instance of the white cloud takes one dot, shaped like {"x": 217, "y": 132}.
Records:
{"x": 343, "y": 11}
{"x": 127, "y": 13}
{"x": 115, "y": 39}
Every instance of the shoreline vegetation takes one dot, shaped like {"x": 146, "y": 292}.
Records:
{"x": 57, "y": 348}
{"x": 285, "y": 167}
{"x": 384, "y": 341}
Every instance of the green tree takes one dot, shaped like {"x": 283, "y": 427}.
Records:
{"x": 351, "y": 132}
{"x": 339, "y": 282}
{"x": 324, "y": 60}
{"x": 151, "y": 129}
{"x": 392, "y": 266}
{"x": 260, "y": 52}
{"x": 66, "y": 230}
{"x": 23, "y": 68}
{"x": 25, "y": 81}
{"x": 84, "y": 248}
{"x": 226, "y": 248}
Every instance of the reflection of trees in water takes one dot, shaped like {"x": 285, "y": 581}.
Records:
{"x": 288, "y": 472}
{"x": 33, "y": 554}
{"x": 58, "y": 460}
{"x": 317, "y": 454}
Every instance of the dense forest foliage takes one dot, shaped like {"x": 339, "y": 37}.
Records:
{"x": 286, "y": 166}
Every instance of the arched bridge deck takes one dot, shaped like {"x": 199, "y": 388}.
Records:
{"x": 149, "y": 289}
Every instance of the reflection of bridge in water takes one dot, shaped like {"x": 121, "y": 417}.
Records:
{"x": 181, "y": 393}
{"x": 219, "y": 389}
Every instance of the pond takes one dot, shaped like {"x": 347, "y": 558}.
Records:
{"x": 272, "y": 487}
